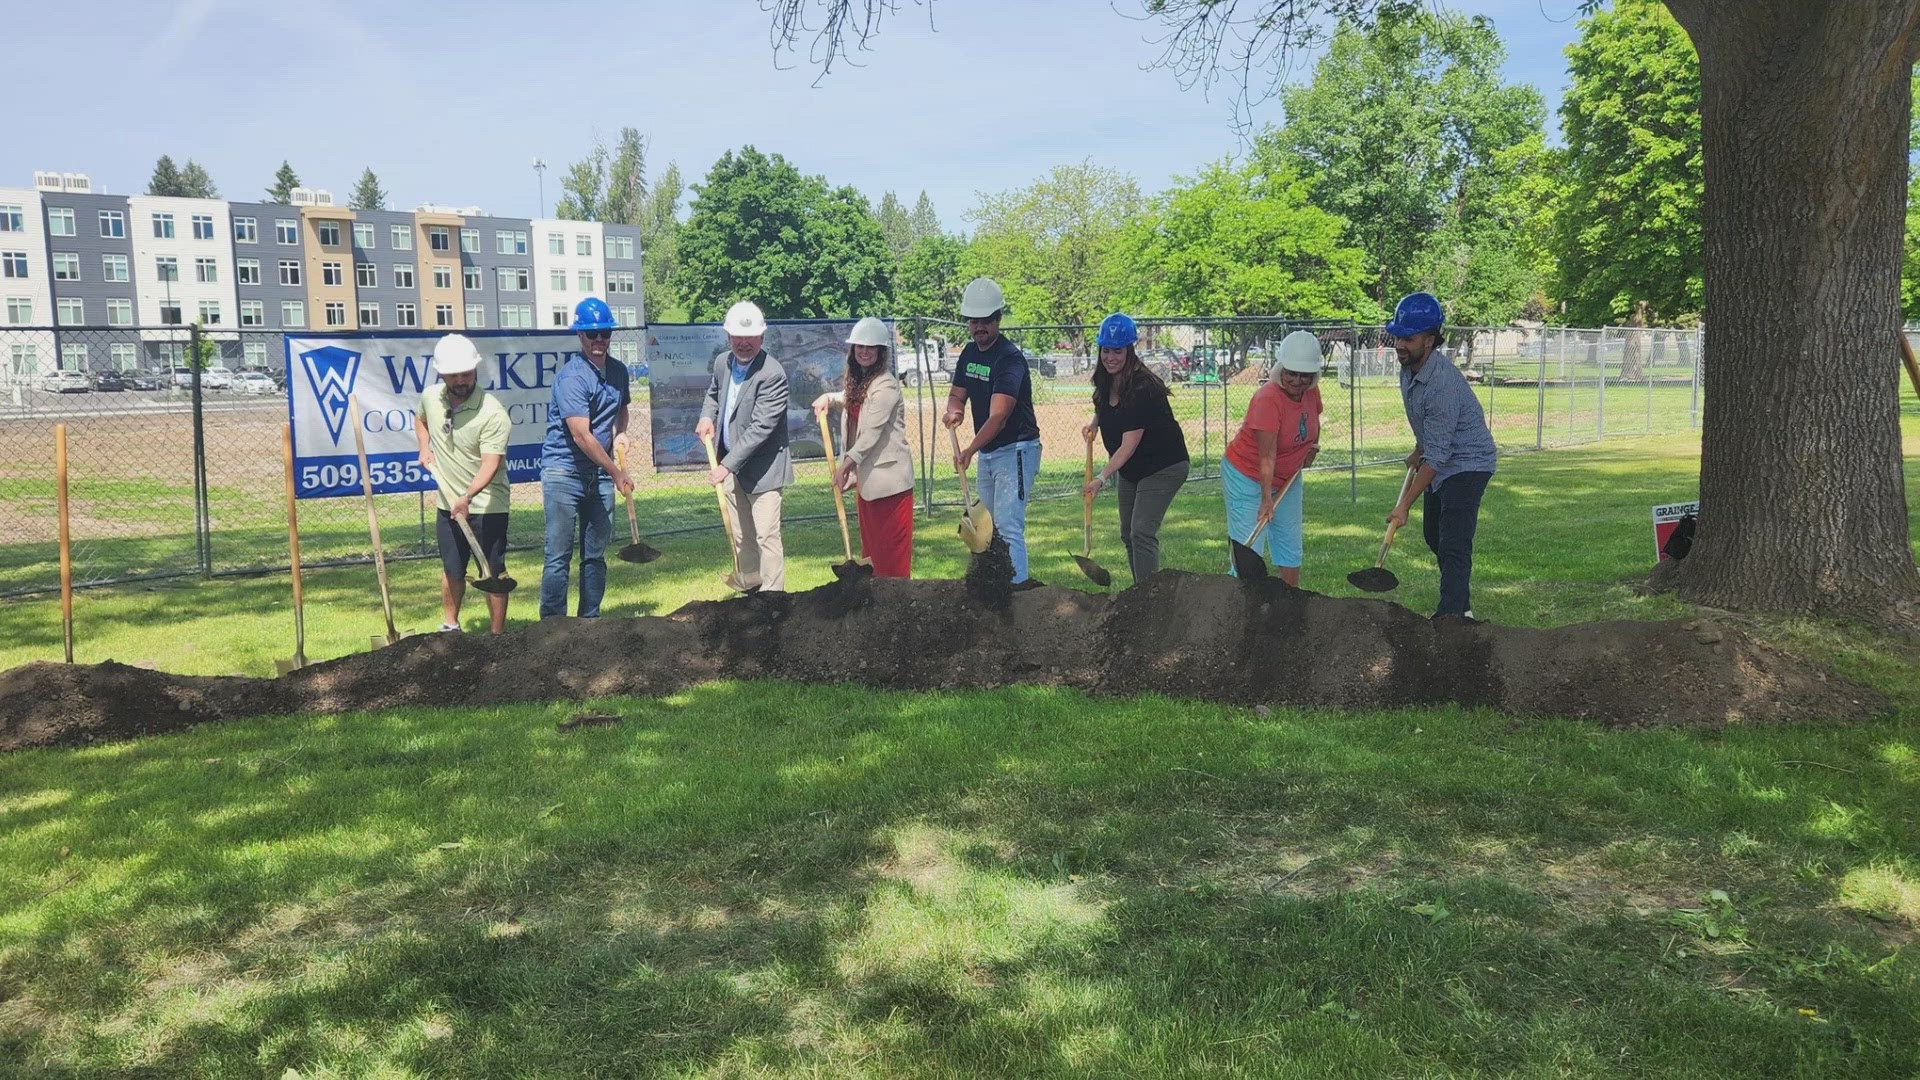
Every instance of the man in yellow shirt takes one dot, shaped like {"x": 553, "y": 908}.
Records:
{"x": 463, "y": 434}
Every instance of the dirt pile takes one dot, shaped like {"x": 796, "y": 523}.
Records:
{"x": 1183, "y": 634}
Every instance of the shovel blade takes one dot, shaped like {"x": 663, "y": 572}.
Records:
{"x": 1248, "y": 563}
{"x": 638, "y": 553}
{"x": 1095, "y": 572}
{"x": 498, "y": 586}
{"x": 1373, "y": 579}
{"x": 976, "y": 528}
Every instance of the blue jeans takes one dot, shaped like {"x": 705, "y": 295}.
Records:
{"x": 1006, "y": 483}
{"x": 1448, "y": 516}
{"x": 574, "y": 510}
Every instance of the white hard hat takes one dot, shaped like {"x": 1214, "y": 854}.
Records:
{"x": 744, "y": 320}
{"x": 1299, "y": 352}
{"x": 870, "y": 331}
{"x": 455, "y": 354}
{"x": 982, "y": 299}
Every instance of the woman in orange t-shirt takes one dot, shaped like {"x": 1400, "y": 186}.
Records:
{"x": 1279, "y": 437}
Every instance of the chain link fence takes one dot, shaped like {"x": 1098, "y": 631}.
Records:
{"x": 176, "y": 468}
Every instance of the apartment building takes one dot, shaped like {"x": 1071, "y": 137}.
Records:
{"x": 497, "y": 272}
{"x": 92, "y": 273}
{"x": 26, "y": 294}
{"x": 183, "y": 269}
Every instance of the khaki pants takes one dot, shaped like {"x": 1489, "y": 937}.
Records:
{"x": 763, "y": 559}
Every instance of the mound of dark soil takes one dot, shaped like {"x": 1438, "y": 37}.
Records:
{"x": 1188, "y": 635}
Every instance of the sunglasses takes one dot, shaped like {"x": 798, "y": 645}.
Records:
{"x": 597, "y": 335}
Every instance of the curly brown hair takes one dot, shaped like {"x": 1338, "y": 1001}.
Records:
{"x": 854, "y": 385}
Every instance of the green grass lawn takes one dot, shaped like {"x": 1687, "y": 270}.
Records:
{"x": 758, "y": 879}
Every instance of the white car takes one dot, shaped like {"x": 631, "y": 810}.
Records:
{"x": 65, "y": 381}
{"x": 216, "y": 378}
{"x": 254, "y": 382}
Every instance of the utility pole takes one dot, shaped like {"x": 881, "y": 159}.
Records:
{"x": 540, "y": 170}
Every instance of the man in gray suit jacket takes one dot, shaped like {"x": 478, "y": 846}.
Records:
{"x": 746, "y": 411}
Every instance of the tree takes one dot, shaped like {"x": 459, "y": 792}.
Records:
{"x": 626, "y": 196}
{"x": 761, "y": 231}
{"x": 1629, "y": 224}
{"x": 368, "y": 194}
{"x": 660, "y": 240}
{"x": 1493, "y": 266}
{"x": 924, "y": 222}
{"x": 1051, "y": 245}
{"x": 1398, "y": 121}
{"x": 195, "y": 183}
{"x": 895, "y": 225}
{"x": 284, "y": 181}
{"x": 166, "y": 178}
{"x": 929, "y": 280}
{"x": 582, "y": 189}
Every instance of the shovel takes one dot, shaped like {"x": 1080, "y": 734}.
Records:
{"x": 373, "y": 520}
{"x": 493, "y": 581}
{"x": 1095, "y": 572}
{"x": 1249, "y": 564}
{"x": 976, "y": 521}
{"x": 636, "y": 552}
{"x": 732, "y": 580}
{"x": 852, "y": 568}
{"x": 1377, "y": 578}
{"x": 299, "y": 658}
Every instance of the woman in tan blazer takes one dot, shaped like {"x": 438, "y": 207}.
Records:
{"x": 874, "y": 432}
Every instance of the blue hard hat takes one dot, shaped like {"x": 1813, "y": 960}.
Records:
{"x": 1118, "y": 331}
{"x": 593, "y": 314}
{"x": 1416, "y": 312}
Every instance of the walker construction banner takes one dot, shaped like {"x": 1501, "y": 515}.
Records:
{"x": 386, "y": 373}
{"x": 680, "y": 360}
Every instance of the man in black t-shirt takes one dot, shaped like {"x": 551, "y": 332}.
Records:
{"x": 992, "y": 375}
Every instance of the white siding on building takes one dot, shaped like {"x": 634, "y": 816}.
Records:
{"x": 23, "y": 356}
{"x": 188, "y": 293}
{"x": 548, "y": 294}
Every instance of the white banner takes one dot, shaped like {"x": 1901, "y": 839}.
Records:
{"x": 386, "y": 373}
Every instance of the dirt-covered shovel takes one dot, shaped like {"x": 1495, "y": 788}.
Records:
{"x": 732, "y": 580}
{"x": 1377, "y": 578}
{"x": 638, "y": 551}
{"x": 373, "y": 521}
{"x": 976, "y": 521}
{"x": 852, "y": 567}
{"x": 492, "y": 580}
{"x": 1095, "y": 572}
{"x": 1248, "y": 563}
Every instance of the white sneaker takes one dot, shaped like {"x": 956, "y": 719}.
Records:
{"x": 447, "y": 627}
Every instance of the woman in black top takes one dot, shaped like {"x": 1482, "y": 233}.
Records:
{"x": 1146, "y": 447}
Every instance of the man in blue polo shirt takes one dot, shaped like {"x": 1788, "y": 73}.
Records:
{"x": 1453, "y": 453}
{"x": 578, "y": 476}
{"x": 992, "y": 376}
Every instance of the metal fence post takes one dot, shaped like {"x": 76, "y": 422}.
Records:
{"x": 202, "y": 503}
{"x": 1540, "y": 410}
{"x": 1600, "y": 351}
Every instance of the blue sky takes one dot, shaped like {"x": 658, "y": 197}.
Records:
{"x": 450, "y": 102}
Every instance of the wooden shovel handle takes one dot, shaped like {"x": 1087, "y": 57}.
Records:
{"x": 833, "y": 481}
{"x": 1260, "y": 523}
{"x": 726, "y": 512}
{"x": 1394, "y": 526}
{"x": 1913, "y": 366}
{"x": 633, "y": 522}
{"x": 1088, "y": 526}
{"x": 966, "y": 497}
{"x": 373, "y": 517}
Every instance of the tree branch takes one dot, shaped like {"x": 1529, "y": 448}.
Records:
{"x": 829, "y": 26}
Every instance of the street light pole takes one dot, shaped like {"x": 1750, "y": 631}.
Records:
{"x": 540, "y": 170}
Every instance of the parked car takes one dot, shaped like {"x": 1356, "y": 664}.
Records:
{"x": 180, "y": 377}
{"x": 216, "y": 378}
{"x": 65, "y": 381}
{"x": 146, "y": 380}
{"x": 109, "y": 381}
{"x": 254, "y": 382}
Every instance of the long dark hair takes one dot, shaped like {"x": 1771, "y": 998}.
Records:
{"x": 858, "y": 378}
{"x": 1137, "y": 384}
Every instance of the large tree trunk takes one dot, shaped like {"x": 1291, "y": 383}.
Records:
{"x": 1805, "y": 108}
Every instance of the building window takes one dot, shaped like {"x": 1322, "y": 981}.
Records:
{"x": 114, "y": 268}
{"x": 170, "y": 313}
{"x": 557, "y": 279}
{"x": 19, "y": 310}
{"x": 402, "y": 276}
{"x": 401, "y": 237}
{"x": 206, "y": 270}
{"x": 560, "y": 316}
{"x": 66, "y": 266}
{"x": 619, "y": 247}
{"x": 626, "y": 316}
{"x": 582, "y": 244}
{"x": 247, "y": 271}
{"x": 369, "y": 314}
{"x": 255, "y": 353}
{"x": 510, "y": 243}
{"x": 166, "y": 268}
{"x": 516, "y": 316}
{"x": 293, "y": 314}
{"x": 13, "y": 264}
{"x": 556, "y": 244}
{"x": 439, "y": 238}
{"x": 285, "y": 231}
{"x": 443, "y": 315}
{"x": 59, "y": 220}
{"x": 289, "y": 271}
{"x": 73, "y": 312}
{"x": 329, "y": 233}
{"x": 73, "y": 356}
{"x": 252, "y": 313}
{"x": 405, "y": 315}
{"x": 443, "y": 277}
{"x": 163, "y": 226}
{"x": 366, "y": 275}
{"x": 476, "y": 316}
{"x": 26, "y": 359}
{"x": 363, "y": 235}
{"x": 514, "y": 278}
{"x": 470, "y": 277}
{"x": 333, "y": 273}
{"x": 209, "y": 313}
{"x": 113, "y": 223}
{"x": 470, "y": 241}
{"x": 125, "y": 356}
{"x": 203, "y": 226}
{"x": 336, "y": 313}
{"x": 246, "y": 230}
{"x": 13, "y": 217}
{"x": 620, "y": 281}
{"x": 586, "y": 280}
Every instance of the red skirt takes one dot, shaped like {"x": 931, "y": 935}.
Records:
{"x": 886, "y": 534}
